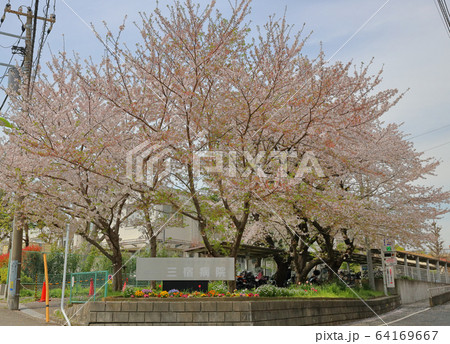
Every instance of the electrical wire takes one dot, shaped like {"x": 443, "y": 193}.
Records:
{"x": 438, "y": 146}
{"x": 429, "y": 131}
{"x": 445, "y": 11}
{"x": 33, "y": 39}
{"x": 6, "y": 97}
{"x": 42, "y": 40}
{"x": 6, "y": 71}
{"x": 442, "y": 8}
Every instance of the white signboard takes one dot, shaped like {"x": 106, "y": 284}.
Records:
{"x": 185, "y": 269}
{"x": 390, "y": 260}
{"x": 390, "y": 281}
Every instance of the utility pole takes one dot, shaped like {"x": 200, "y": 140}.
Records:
{"x": 19, "y": 220}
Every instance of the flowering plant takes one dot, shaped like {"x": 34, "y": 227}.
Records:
{"x": 174, "y": 293}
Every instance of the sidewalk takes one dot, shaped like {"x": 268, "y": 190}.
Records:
{"x": 23, "y": 317}
{"x": 37, "y": 309}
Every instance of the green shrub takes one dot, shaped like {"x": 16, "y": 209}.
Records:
{"x": 406, "y": 278}
{"x": 3, "y": 275}
{"x": 25, "y": 279}
{"x": 57, "y": 293}
{"x": 128, "y": 292}
{"x": 26, "y": 292}
{"x": 33, "y": 263}
{"x": 269, "y": 290}
{"x": 218, "y": 286}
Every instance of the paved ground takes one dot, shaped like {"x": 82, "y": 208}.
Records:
{"x": 24, "y": 317}
{"x": 415, "y": 314}
{"x": 29, "y": 314}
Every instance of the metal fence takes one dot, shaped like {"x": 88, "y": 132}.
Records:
{"x": 88, "y": 286}
{"x": 35, "y": 287}
{"x": 422, "y": 274}
{"x": 130, "y": 280}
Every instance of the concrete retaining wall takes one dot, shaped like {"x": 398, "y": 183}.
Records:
{"x": 439, "y": 299}
{"x": 410, "y": 291}
{"x": 232, "y": 311}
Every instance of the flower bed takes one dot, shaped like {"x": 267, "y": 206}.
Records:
{"x": 174, "y": 293}
{"x": 305, "y": 290}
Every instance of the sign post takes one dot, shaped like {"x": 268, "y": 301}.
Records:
{"x": 388, "y": 260}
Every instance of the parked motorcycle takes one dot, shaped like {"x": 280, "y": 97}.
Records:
{"x": 247, "y": 280}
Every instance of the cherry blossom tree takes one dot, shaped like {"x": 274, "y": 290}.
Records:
{"x": 249, "y": 126}
{"x": 204, "y": 92}
{"x": 68, "y": 141}
{"x": 435, "y": 243}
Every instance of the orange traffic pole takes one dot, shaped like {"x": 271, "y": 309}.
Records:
{"x": 47, "y": 310}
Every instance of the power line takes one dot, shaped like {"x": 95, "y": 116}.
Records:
{"x": 44, "y": 35}
{"x": 442, "y": 8}
{"x": 6, "y": 71}
{"x": 29, "y": 72}
{"x": 438, "y": 146}
{"x": 429, "y": 131}
{"x": 12, "y": 56}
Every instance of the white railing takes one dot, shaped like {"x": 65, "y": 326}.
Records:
{"x": 422, "y": 274}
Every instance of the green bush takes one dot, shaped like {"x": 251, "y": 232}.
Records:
{"x": 3, "y": 275}
{"x": 57, "y": 293}
{"x": 25, "y": 279}
{"x": 269, "y": 290}
{"x": 33, "y": 263}
{"x": 128, "y": 292}
{"x": 219, "y": 286}
{"x": 26, "y": 292}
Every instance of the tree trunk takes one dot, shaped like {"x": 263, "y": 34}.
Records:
{"x": 232, "y": 284}
{"x": 334, "y": 265}
{"x": 281, "y": 275}
{"x": 27, "y": 236}
{"x": 117, "y": 272}
{"x": 153, "y": 250}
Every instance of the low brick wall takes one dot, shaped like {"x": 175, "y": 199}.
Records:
{"x": 232, "y": 311}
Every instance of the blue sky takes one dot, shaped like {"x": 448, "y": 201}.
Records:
{"x": 406, "y": 37}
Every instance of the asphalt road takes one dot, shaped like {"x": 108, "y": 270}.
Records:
{"x": 416, "y": 314}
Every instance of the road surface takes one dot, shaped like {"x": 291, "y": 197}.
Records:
{"x": 416, "y": 314}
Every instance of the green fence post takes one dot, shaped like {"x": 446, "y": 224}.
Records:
{"x": 95, "y": 284}
{"x": 71, "y": 287}
{"x": 106, "y": 284}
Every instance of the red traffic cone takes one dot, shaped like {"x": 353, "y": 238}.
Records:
{"x": 124, "y": 286}
{"x": 44, "y": 291}
{"x": 91, "y": 288}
